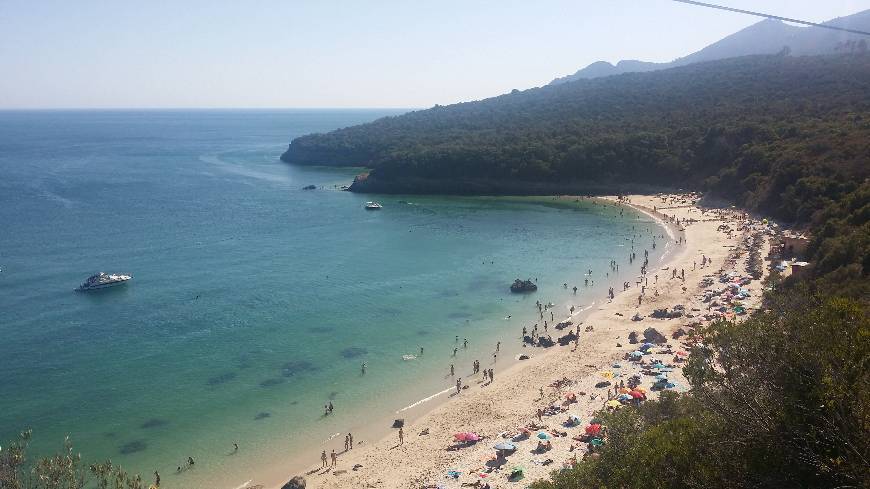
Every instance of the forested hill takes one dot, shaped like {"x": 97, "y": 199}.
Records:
{"x": 744, "y": 128}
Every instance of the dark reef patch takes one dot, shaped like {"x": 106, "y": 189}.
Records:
{"x": 459, "y": 315}
{"x": 353, "y": 352}
{"x": 132, "y": 447}
{"x": 262, "y": 415}
{"x": 271, "y": 382}
{"x": 154, "y": 423}
{"x": 297, "y": 367}
{"x": 221, "y": 379}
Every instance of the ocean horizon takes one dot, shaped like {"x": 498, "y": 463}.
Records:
{"x": 254, "y": 303}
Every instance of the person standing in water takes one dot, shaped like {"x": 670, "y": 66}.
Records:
{"x": 363, "y": 368}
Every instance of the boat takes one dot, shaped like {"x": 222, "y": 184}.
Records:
{"x": 373, "y": 206}
{"x": 103, "y": 280}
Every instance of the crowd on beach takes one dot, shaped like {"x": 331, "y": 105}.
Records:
{"x": 561, "y": 427}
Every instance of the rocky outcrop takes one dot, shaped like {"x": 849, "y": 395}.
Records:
{"x": 523, "y": 286}
{"x": 651, "y": 335}
{"x": 297, "y": 482}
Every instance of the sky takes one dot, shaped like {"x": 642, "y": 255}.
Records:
{"x": 339, "y": 53}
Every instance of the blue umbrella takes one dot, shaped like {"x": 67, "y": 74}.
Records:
{"x": 543, "y": 436}
{"x": 505, "y": 446}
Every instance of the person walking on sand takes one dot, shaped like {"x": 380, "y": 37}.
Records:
{"x": 401, "y": 436}
{"x": 334, "y": 457}
{"x": 491, "y": 376}
{"x": 485, "y": 374}
{"x": 346, "y": 440}
{"x": 458, "y": 385}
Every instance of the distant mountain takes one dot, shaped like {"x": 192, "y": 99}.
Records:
{"x": 766, "y": 37}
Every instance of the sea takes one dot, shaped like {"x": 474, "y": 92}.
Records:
{"x": 254, "y": 303}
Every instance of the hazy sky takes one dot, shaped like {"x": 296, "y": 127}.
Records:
{"x": 338, "y": 53}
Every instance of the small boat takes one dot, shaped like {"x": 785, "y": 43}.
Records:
{"x": 103, "y": 280}
{"x": 373, "y": 206}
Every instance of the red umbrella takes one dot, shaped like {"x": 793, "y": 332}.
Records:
{"x": 637, "y": 395}
{"x": 593, "y": 429}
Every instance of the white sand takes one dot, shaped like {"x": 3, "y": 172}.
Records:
{"x": 513, "y": 399}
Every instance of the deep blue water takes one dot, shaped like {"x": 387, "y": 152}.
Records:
{"x": 253, "y": 301}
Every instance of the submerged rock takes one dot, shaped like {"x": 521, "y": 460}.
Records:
{"x": 154, "y": 423}
{"x": 132, "y": 447}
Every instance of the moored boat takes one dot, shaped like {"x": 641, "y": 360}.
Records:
{"x": 103, "y": 280}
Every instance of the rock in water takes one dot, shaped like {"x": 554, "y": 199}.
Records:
{"x": 523, "y": 286}
{"x": 297, "y": 482}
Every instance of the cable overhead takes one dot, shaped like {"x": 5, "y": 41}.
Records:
{"x": 776, "y": 17}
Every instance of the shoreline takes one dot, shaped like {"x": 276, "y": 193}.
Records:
{"x": 344, "y": 476}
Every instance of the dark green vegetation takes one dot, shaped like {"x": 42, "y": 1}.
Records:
{"x": 784, "y": 136}
{"x": 63, "y": 470}
{"x": 781, "y": 400}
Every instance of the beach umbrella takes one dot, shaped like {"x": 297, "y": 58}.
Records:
{"x": 624, "y": 397}
{"x": 613, "y": 403}
{"x": 624, "y": 390}
{"x": 593, "y": 429}
{"x": 472, "y": 437}
{"x": 574, "y": 418}
{"x": 544, "y": 436}
{"x": 681, "y": 353}
{"x": 637, "y": 395}
{"x": 596, "y": 442}
{"x": 505, "y": 446}
{"x": 636, "y": 354}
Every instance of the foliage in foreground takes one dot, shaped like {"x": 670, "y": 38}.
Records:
{"x": 781, "y": 400}
{"x": 63, "y": 470}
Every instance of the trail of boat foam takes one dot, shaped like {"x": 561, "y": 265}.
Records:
{"x": 421, "y": 401}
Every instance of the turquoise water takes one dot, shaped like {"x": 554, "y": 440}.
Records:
{"x": 253, "y": 302}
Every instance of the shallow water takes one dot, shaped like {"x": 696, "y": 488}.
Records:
{"x": 253, "y": 302}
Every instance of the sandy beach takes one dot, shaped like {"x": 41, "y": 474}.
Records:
{"x": 430, "y": 457}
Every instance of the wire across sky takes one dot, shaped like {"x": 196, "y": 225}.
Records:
{"x": 769, "y": 16}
